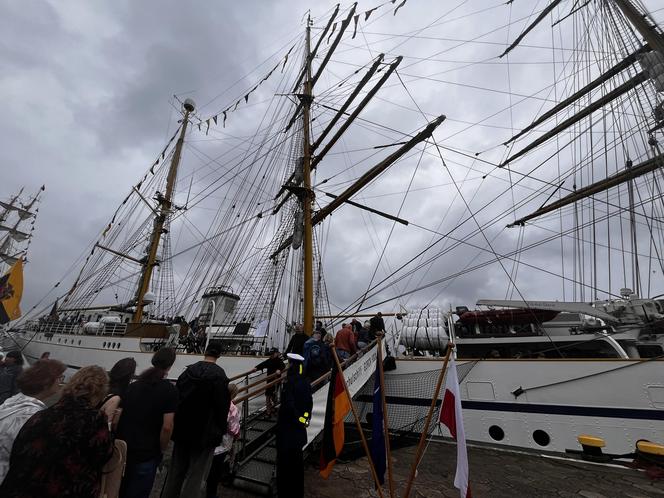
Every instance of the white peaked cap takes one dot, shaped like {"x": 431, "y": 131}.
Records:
{"x": 295, "y": 357}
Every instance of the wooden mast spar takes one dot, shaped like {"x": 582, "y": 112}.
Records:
{"x": 305, "y": 192}
{"x": 308, "y": 194}
{"x": 165, "y": 204}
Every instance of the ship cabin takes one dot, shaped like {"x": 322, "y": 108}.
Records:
{"x": 220, "y": 320}
{"x": 544, "y": 334}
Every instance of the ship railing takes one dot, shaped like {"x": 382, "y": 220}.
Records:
{"x": 60, "y": 327}
{"x": 254, "y": 387}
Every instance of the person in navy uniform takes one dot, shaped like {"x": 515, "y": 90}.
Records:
{"x": 292, "y": 423}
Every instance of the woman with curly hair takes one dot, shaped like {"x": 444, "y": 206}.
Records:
{"x": 61, "y": 451}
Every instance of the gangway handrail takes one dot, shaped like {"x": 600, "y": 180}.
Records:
{"x": 240, "y": 375}
{"x": 321, "y": 380}
{"x": 259, "y": 381}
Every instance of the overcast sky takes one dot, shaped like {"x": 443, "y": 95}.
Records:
{"x": 88, "y": 103}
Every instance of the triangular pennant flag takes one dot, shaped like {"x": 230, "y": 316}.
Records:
{"x": 398, "y": 7}
{"x": 163, "y": 153}
{"x": 368, "y": 13}
{"x": 214, "y": 118}
{"x": 246, "y": 98}
{"x": 236, "y": 104}
{"x": 207, "y": 121}
{"x": 355, "y": 20}
{"x": 334, "y": 27}
{"x": 199, "y": 126}
{"x": 224, "y": 113}
{"x": 285, "y": 61}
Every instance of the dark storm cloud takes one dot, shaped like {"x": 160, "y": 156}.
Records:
{"x": 87, "y": 92}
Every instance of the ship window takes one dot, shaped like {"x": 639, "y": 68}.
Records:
{"x": 541, "y": 437}
{"x": 103, "y": 345}
{"x": 79, "y": 342}
{"x": 229, "y": 305}
{"x": 496, "y": 433}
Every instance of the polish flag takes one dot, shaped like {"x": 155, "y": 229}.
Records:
{"x": 451, "y": 416}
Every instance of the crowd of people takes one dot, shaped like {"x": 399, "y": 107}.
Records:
{"x": 69, "y": 439}
{"x": 317, "y": 348}
{"x": 66, "y": 449}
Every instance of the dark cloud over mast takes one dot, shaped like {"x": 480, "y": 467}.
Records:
{"x": 87, "y": 104}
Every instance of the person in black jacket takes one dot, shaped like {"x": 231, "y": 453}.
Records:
{"x": 296, "y": 343}
{"x": 377, "y": 325}
{"x": 294, "y": 417}
{"x": 9, "y": 372}
{"x": 200, "y": 424}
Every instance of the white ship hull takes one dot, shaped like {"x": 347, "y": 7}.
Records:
{"x": 78, "y": 350}
{"x": 621, "y": 401}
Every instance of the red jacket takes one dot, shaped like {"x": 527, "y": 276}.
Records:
{"x": 345, "y": 340}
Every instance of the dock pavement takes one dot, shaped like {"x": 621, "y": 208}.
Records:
{"x": 493, "y": 473}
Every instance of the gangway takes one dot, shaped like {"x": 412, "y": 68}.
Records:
{"x": 256, "y": 454}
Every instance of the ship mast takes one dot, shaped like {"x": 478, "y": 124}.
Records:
{"x": 308, "y": 195}
{"x": 7, "y": 254}
{"x": 165, "y": 204}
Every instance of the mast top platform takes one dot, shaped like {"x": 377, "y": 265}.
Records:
{"x": 189, "y": 105}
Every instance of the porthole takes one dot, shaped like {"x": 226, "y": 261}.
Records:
{"x": 496, "y": 433}
{"x": 541, "y": 437}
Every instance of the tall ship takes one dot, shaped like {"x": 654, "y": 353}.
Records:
{"x": 355, "y": 193}
{"x": 18, "y": 215}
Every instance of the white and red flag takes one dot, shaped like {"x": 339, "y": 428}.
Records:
{"x": 451, "y": 416}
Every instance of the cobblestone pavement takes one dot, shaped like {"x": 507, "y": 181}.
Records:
{"x": 493, "y": 473}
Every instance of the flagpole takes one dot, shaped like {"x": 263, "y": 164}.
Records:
{"x": 385, "y": 422}
{"x": 425, "y": 429}
{"x": 357, "y": 423}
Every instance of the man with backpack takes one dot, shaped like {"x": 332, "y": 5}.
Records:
{"x": 200, "y": 424}
{"x": 317, "y": 357}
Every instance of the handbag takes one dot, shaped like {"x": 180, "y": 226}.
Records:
{"x": 113, "y": 471}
